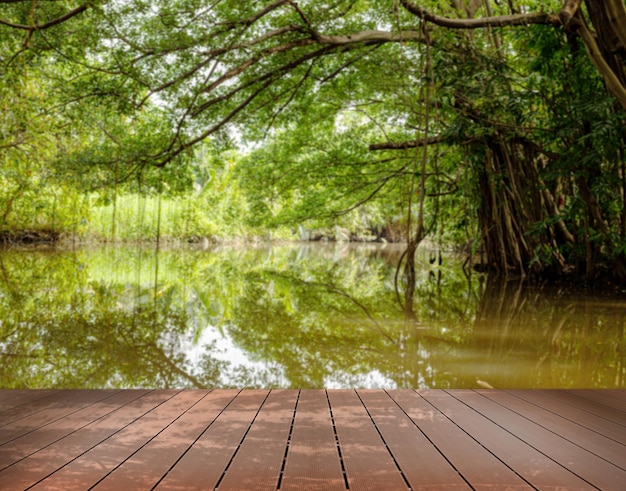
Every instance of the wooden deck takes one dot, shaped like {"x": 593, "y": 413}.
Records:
{"x": 312, "y": 439}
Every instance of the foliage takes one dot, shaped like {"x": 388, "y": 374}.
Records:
{"x": 496, "y": 125}
{"x": 298, "y": 316}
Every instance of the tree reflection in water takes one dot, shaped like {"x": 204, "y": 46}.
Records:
{"x": 291, "y": 316}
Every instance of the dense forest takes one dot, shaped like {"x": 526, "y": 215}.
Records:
{"x": 490, "y": 125}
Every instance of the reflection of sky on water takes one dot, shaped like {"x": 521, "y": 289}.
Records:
{"x": 224, "y": 349}
{"x": 292, "y": 316}
{"x": 371, "y": 380}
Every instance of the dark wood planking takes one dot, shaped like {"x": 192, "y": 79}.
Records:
{"x": 92, "y": 466}
{"x": 554, "y": 404}
{"x": 313, "y": 459}
{"x": 160, "y": 438}
{"x": 17, "y": 397}
{"x": 259, "y": 460}
{"x": 423, "y": 465}
{"x": 34, "y": 441}
{"x": 583, "y": 463}
{"x": 531, "y": 465}
{"x": 361, "y": 445}
{"x": 40, "y": 401}
{"x": 619, "y": 394}
{"x": 479, "y": 467}
{"x": 11, "y": 393}
{"x": 611, "y": 398}
{"x": 56, "y": 410}
{"x": 606, "y": 448}
{"x": 41, "y": 464}
{"x": 597, "y": 417}
{"x": 203, "y": 464}
{"x": 152, "y": 462}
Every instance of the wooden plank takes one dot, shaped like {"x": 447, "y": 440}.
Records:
{"x": 432, "y": 439}
{"x": 606, "y": 448}
{"x": 591, "y": 414}
{"x": 40, "y": 401}
{"x": 530, "y": 464}
{"x": 619, "y": 394}
{"x": 589, "y": 406}
{"x": 94, "y": 465}
{"x": 313, "y": 459}
{"x": 259, "y": 461}
{"x": 15, "y": 397}
{"x": 361, "y": 445}
{"x": 58, "y": 409}
{"x": 203, "y": 464}
{"x": 152, "y": 462}
{"x": 34, "y": 441}
{"x": 32, "y": 402}
{"x": 423, "y": 465}
{"x": 607, "y": 397}
{"x": 44, "y": 463}
{"x": 583, "y": 463}
{"x": 479, "y": 467}
{"x": 10, "y": 393}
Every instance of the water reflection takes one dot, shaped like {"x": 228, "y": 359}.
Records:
{"x": 291, "y": 316}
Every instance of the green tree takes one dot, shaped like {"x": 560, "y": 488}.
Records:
{"x": 462, "y": 96}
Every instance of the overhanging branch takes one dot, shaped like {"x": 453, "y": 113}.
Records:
{"x": 51, "y": 23}
{"x": 610, "y": 78}
{"x": 408, "y": 144}
{"x": 481, "y": 22}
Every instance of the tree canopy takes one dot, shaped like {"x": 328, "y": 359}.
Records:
{"x": 505, "y": 115}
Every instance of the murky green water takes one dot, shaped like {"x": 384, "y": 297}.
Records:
{"x": 291, "y": 316}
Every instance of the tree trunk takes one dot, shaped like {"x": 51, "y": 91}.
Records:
{"x": 514, "y": 201}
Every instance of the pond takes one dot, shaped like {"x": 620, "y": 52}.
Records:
{"x": 292, "y": 316}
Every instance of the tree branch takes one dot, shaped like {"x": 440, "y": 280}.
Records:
{"x": 408, "y": 144}
{"x": 363, "y": 37}
{"x": 616, "y": 11}
{"x": 255, "y": 59}
{"x": 569, "y": 11}
{"x": 271, "y": 76}
{"x": 371, "y": 37}
{"x": 610, "y": 78}
{"x": 496, "y": 21}
{"x": 48, "y": 24}
{"x": 169, "y": 156}
{"x": 261, "y": 13}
